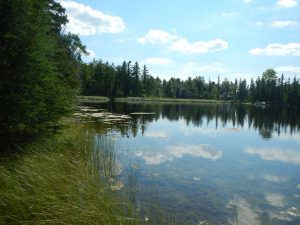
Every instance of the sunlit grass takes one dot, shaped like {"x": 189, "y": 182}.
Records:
{"x": 58, "y": 181}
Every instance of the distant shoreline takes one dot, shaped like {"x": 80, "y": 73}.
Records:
{"x": 101, "y": 99}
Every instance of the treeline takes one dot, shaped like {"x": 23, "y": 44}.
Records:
{"x": 39, "y": 65}
{"x": 42, "y": 73}
{"x": 104, "y": 79}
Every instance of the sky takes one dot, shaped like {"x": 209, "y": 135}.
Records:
{"x": 182, "y": 38}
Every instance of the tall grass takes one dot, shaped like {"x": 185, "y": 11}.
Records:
{"x": 58, "y": 181}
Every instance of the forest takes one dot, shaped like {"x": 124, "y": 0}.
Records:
{"x": 42, "y": 73}
{"x": 104, "y": 79}
{"x": 39, "y": 65}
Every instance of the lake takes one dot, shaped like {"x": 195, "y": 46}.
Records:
{"x": 207, "y": 164}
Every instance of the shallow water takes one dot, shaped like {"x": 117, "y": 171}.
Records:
{"x": 209, "y": 164}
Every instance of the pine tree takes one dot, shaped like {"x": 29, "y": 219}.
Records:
{"x": 38, "y": 82}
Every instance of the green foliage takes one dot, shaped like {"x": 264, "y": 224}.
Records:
{"x": 58, "y": 182}
{"x": 103, "y": 79}
{"x": 38, "y": 63}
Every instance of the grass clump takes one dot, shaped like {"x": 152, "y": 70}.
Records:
{"x": 58, "y": 181}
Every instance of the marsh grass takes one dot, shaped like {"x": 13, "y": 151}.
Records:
{"x": 60, "y": 181}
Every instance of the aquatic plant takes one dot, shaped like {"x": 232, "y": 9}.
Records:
{"x": 55, "y": 182}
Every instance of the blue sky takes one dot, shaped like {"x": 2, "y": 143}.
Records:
{"x": 181, "y": 38}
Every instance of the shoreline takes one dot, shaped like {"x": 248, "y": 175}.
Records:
{"x": 101, "y": 99}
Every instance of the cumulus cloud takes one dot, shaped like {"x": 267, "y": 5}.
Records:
{"x": 288, "y": 69}
{"x": 276, "y": 49}
{"x": 85, "y": 21}
{"x": 275, "y": 154}
{"x": 247, "y": 1}
{"x": 287, "y": 3}
{"x": 157, "y": 36}
{"x": 157, "y": 61}
{"x": 184, "y": 46}
{"x": 281, "y": 24}
{"x": 190, "y": 68}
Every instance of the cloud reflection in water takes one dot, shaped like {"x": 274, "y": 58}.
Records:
{"x": 274, "y": 178}
{"x": 203, "y": 150}
{"x": 275, "y": 199}
{"x": 156, "y": 134}
{"x": 275, "y": 154}
{"x": 178, "y": 151}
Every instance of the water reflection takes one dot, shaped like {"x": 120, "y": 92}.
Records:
{"x": 275, "y": 154}
{"x": 203, "y": 150}
{"x": 196, "y": 157}
{"x": 274, "y": 178}
{"x": 269, "y": 122}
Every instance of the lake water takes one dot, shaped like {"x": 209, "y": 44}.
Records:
{"x": 208, "y": 164}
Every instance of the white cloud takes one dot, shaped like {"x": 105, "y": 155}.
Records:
{"x": 157, "y": 61}
{"x": 288, "y": 69}
{"x": 183, "y": 46}
{"x": 247, "y": 1}
{"x": 91, "y": 54}
{"x": 157, "y": 36}
{"x": 85, "y": 21}
{"x": 287, "y": 3}
{"x": 275, "y": 154}
{"x": 124, "y": 40}
{"x": 276, "y": 49}
{"x": 191, "y": 68}
{"x": 281, "y": 24}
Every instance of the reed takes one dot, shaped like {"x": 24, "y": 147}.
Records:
{"x": 62, "y": 180}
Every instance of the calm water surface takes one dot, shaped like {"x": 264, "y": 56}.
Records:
{"x": 210, "y": 164}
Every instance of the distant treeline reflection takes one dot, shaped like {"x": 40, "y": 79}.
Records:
{"x": 267, "y": 120}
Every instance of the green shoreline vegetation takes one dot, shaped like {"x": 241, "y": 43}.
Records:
{"x": 58, "y": 181}
{"x": 100, "y": 99}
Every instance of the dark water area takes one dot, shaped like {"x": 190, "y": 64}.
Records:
{"x": 209, "y": 164}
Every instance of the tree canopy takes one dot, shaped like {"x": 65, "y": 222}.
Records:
{"x": 104, "y": 79}
{"x": 39, "y": 65}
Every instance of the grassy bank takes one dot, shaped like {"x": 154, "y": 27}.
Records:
{"x": 175, "y": 100}
{"x": 95, "y": 99}
{"x": 61, "y": 180}
{"x": 91, "y": 99}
